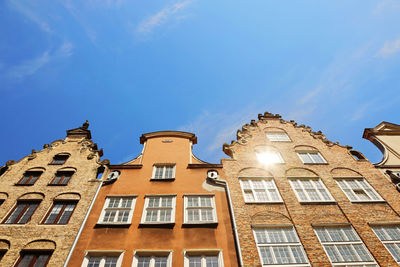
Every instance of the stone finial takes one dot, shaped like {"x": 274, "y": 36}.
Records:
{"x": 85, "y": 125}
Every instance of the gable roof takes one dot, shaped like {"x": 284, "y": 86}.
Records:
{"x": 383, "y": 128}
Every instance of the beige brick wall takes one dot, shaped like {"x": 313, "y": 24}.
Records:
{"x": 303, "y": 216}
{"x": 85, "y": 160}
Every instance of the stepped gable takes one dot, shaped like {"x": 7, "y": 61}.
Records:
{"x": 244, "y": 133}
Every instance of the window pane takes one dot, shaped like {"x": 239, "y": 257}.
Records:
{"x": 28, "y": 213}
{"x": 194, "y": 261}
{"x": 41, "y": 260}
{"x": 111, "y": 262}
{"x": 144, "y": 262}
{"x": 282, "y": 254}
{"x": 211, "y": 261}
{"x": 54, "y": 213}
{"x": 160, "y": 261}
{"x": 317, "y": 158}
{"x": 305, "y": 158}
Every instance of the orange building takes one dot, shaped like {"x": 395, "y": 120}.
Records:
{"x": 164, "y": 208}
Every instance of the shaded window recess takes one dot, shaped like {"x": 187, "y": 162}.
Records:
{"x": 357, "y": 155}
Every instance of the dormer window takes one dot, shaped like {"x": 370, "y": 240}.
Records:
{"x": 59, "y": 159}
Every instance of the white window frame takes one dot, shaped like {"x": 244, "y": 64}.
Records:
{"x": 280, "y": 244}
{"x": 106, "y": 208}
{"x": 347, "y": 243}
{"x": 164, "y": 167}
{"x": 278, "y": 136}
{"x": 266, "y": 189}
{"x": 269, "y": 157}
{"x": 152, "y": 254}
{"x": 103, "y": 254}
{"x": 308, "y": 153}
{"x": 203, "y": 253}
{"x": 369, "y": 191}
{"x": 187, "y": 208}
{"x": 389, "y": 241}
{"x": 314, "y": 186}
{"x": 146, "y": 206}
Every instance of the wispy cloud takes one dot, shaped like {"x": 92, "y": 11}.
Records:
{"x": 218, "y": 128}
{"x": 28, "y": 12}
{"x": 389, "y": 48}
{"x": 31, "y": 66}
{"x": 386, "y": 5}
{"x": 161, "y": 17}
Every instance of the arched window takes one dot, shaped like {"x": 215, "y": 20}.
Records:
{"x": 309, "y": 155}
{"x": 62, "y": 176}
{"x": 30, "y": 176}
{"x": 357, "y": 155}
{"x": 60, "y": 159}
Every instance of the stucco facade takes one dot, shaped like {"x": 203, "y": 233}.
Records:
{"x": 386, "y": 137}
{"x": 44, "y": 199}
{"x": 159, "y": 209}
{"x": 295, "y": 195}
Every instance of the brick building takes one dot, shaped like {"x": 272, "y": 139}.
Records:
{"x": 301, "y": 200}
{"x": 159, "y": 210}
{"x": 44, "y": 198}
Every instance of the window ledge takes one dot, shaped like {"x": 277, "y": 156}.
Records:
{"x": 162, "y": 179}
{"x": 264, "y": 202}
{"x": 56, "y": 163}
{"x": 24, "y": 184}
{"x": 200, "y": 224}
{"x": 116, "y": 225}
{"x": 325, "y": 163}
{"x": 157, "y": 225}
{"x": 57, "y": 184}
{"x": 367, "y": 201}
{"x": 318, "y": 202}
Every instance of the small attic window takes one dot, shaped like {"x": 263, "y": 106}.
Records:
{"x": 59, "y": 159}
{"x": 357, "y": 155}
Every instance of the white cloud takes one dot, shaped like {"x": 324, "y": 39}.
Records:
{"x": 31, "y": 66}
{"x": 389, "y": 48}
{"x": 66, "y": 49}
{"x": 28, "y": 12}
{"x": 151, "y": 22}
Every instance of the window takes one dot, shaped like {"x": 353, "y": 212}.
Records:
{"x": 59, "y": 159}
{"x": 278, "y": 137}
{"x": 33, "y": 258}
{"x": 344, "y": 247}
{"x": 60, "y": 213}
{"x": 159, "y": 209}
{"x": 358, "y": 190}
{"x": 117, "y": 210}
{"x": 200, "y": 209}
{"x": 203, "y": 259}
{"x": 269, "y": 157}
{"x": 103, "y": 259}
{"x": 311, "y": 157}
{"x": 29, "y": 178}
{"x": 163, "y": 172}
{"x": 62, "y": 178}
{"x": 310, "y": 190}
{"x": 280, "y": 245}
{"x": 22, "y": 212}
{"x": 260, "y": 190}
{"x": 389, "y": 235}
{"x": 152, "y": 259}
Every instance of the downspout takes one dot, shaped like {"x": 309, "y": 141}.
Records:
{"x": 82, "y": 225}
{"x": 239, "y": 251}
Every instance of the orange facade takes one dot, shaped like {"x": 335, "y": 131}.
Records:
{"x": 160, "y": 211}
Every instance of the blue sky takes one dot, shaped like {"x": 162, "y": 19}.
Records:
{"x": 203, "y": 66}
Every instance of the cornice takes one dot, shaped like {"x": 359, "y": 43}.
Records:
{"x": 192, "y": 137}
